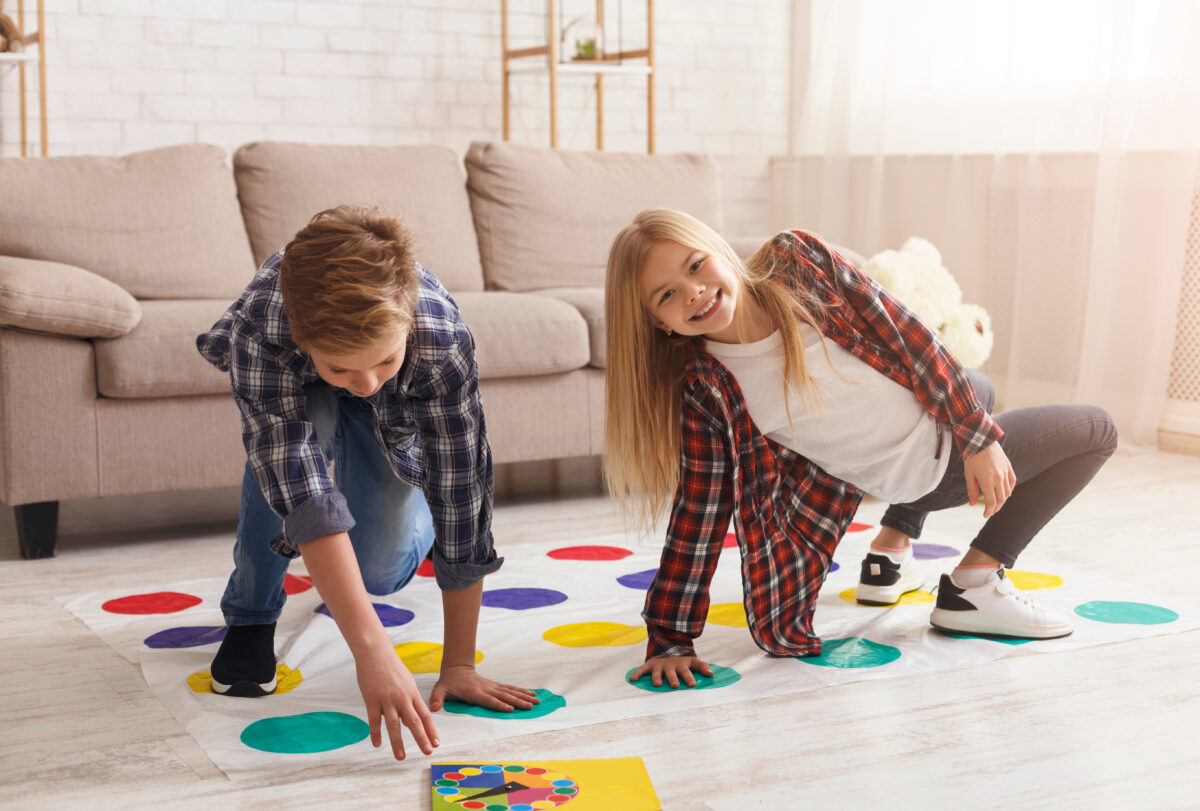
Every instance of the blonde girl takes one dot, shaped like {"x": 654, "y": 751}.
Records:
{"x": 773, "y": 394}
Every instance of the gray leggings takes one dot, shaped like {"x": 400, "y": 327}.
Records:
{"x": 1055, "y": 450}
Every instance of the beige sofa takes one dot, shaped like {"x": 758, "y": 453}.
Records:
{"x": 110, "y": 266}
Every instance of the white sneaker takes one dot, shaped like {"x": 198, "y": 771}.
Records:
{"x": 996, "y": 608}
{"x": 883, "y": 582}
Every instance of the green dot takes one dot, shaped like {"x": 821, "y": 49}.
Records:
{"x": 549, "y": 703}
{"x": 495, "y": 808}
{"x": 853, "y": 651}
{"x": 306, "y": 733}
{"x": 721, "y": 677}
{"x": 565, "y": 792}
{"x": 1006, "y": 640}
{"x": 446, "y": 783}
{"x": 1126, "y": 613}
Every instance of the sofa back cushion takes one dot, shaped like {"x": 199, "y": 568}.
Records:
{"x": 282, "y": 185}
{"x": 161, "y": 224}
{"x": 546, "y": 218}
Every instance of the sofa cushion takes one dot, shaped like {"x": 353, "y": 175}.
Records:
{"x": 282, "y": 185}
{"x": 63, "y": 299}
{"x": 159, "y": 358}
{"x": 546, "y": 218}
{"x": 590, "y": 303}
{"x": 522, "y": 334}
{"x": 161, "y": 224}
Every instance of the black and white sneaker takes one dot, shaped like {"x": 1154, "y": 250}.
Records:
{"x": 997, "y": 608}
{"x": 245, "y": 663}
{"x": 884, "y": 581}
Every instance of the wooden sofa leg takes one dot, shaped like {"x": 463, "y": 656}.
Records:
{"x": 37, "y": 529}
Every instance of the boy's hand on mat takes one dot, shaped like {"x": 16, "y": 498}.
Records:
{"x": 990, "y": 475}
{"x": 463, "y": 683}
{"x": 674, "y": 669}
{"x": 392, "y": 699}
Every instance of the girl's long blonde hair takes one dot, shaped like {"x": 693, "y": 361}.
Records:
{"x": 645, "y": 367}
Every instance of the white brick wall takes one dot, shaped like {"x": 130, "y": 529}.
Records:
{"x": 125, "y": 75}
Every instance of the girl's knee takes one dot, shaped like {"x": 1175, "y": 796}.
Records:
{"x": 1106, "y": 431}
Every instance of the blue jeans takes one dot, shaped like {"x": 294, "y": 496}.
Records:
{"x": 393, "y": 530}
{"x": 1055, "y": 450}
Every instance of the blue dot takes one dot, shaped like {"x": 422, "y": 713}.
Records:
{"x": 446, "y": 790}
{"x": 491, "y": 768}
{"x": 389, "y": 615}
{"x": 520, "y": 599}
{"x": 834, "y": 567}
{"x": 191, "y": 636}
{"x": 563, "y": 783}
{"x": 638, "y": 580}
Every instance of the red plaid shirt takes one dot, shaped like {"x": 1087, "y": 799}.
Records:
{"x": 788, "y": 514}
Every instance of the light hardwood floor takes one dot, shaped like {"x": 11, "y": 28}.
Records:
{"x": 1115, "y": 726}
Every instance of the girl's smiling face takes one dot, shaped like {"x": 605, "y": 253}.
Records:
{"x": 690, "y": 292}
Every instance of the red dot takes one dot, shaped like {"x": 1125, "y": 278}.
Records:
{"x": 730, "y": 540}
{"x": 473, "y": 804}
{"x": 535, "y": 770}
{"x": 560, "y": 798}
{"x": 160, "y": 602}
{"x": 454, "y": 776}
{"x": 294, "y": 584}
{"x": 425, "y": 569}
{"x": 590, "y": 553}
{"x": 857, "y": 527}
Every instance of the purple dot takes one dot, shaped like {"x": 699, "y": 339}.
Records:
{"x": 638, "y": 580}
{"x": 519, "y": 599}
{"x": 191, "y": 636}
{"x": 389, "y": 615}
{"x": 926, "y": 551}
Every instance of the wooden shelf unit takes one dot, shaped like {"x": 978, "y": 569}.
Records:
{"x": 522, "y": 60}
{"x": 21, "y": 60}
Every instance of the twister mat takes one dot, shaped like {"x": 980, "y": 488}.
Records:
{"x": 564, "y": 619}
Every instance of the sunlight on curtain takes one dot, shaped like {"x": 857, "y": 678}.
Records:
{"x": 1050, "y": 150}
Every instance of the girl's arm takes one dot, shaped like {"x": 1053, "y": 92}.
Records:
{"x": 677, "y": 602}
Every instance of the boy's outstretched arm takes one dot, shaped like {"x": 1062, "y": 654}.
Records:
{"x": 388, "y": 689}
{"x": 460, "y": 610}
{"x": 674, "y": 668}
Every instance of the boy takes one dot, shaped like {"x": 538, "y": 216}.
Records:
{"x": 344, "y": 350}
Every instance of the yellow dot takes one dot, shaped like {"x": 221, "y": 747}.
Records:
{"x": 470, "y": 770}
{"x": 424, "y": 657}
{"x": 554, "y": 776}
{"x": 918, "y": 597}
{"x": 543, "y": 804}
{"x": 732, "y": 615}
{"x": 1029, "y": 581}
{"x": 286, "y": 680}
{"x": 595, "y": 634}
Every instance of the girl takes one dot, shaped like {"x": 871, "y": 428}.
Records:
{"x": 775, "y": 393}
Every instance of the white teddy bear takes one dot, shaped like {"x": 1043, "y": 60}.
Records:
{"x": 915, "y": 275}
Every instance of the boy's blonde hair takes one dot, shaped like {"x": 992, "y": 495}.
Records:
{"x": 349, "y": 281}
{"x": 645, "y": 367}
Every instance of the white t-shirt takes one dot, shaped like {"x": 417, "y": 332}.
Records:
{"x": 871, "y": 432}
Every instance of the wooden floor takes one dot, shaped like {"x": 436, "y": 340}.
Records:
{"x": 1115, "y": 726}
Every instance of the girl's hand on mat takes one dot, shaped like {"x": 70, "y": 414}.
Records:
{"x": 392, "y": 699}
{"x": 990, "y": 475}
{"x": 674, "y": 668}
{"x": 463, "y": 683}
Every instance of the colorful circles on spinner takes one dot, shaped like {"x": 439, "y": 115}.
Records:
{"x": 158, "y": 602}
{"x": 548, "y": 703}
{"x": 286, "y": 680}
{"x": 389, "y": 615}
{"x": 595, "y": 634}
{"x": 501, "y": 787}
{"x": 721, "y": 677}
{"x": 918, "y": 597}
{"x": 520, "y": 599}
{"x": 1126, "y": 613}
{"x": 187, "y": 636}
{"x": 589, "y": 552}
{"x": 306, "y": 733}
{"x": 424, "y": 657}
{"x": 854, "y": 651}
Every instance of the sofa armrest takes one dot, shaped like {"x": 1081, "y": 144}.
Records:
{"x": 63, "y": 300}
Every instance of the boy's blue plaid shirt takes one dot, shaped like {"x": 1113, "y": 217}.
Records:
{"x": 429, "y": 421}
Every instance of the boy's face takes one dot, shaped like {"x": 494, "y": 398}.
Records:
{"x": 363, "y": 373}
{"x": 689, "y": 292}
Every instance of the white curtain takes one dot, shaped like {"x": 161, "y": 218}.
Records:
{"x": 1049, "y": 148}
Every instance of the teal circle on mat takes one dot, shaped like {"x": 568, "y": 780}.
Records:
{"x": 721, "y": 677}
{"x": 853, "y": 651}
{"x": 1125, "y": 613}
{"x": 549, "y": 703}
{"x": 305, "y": 733}
{"x": 1004, "y": 640}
